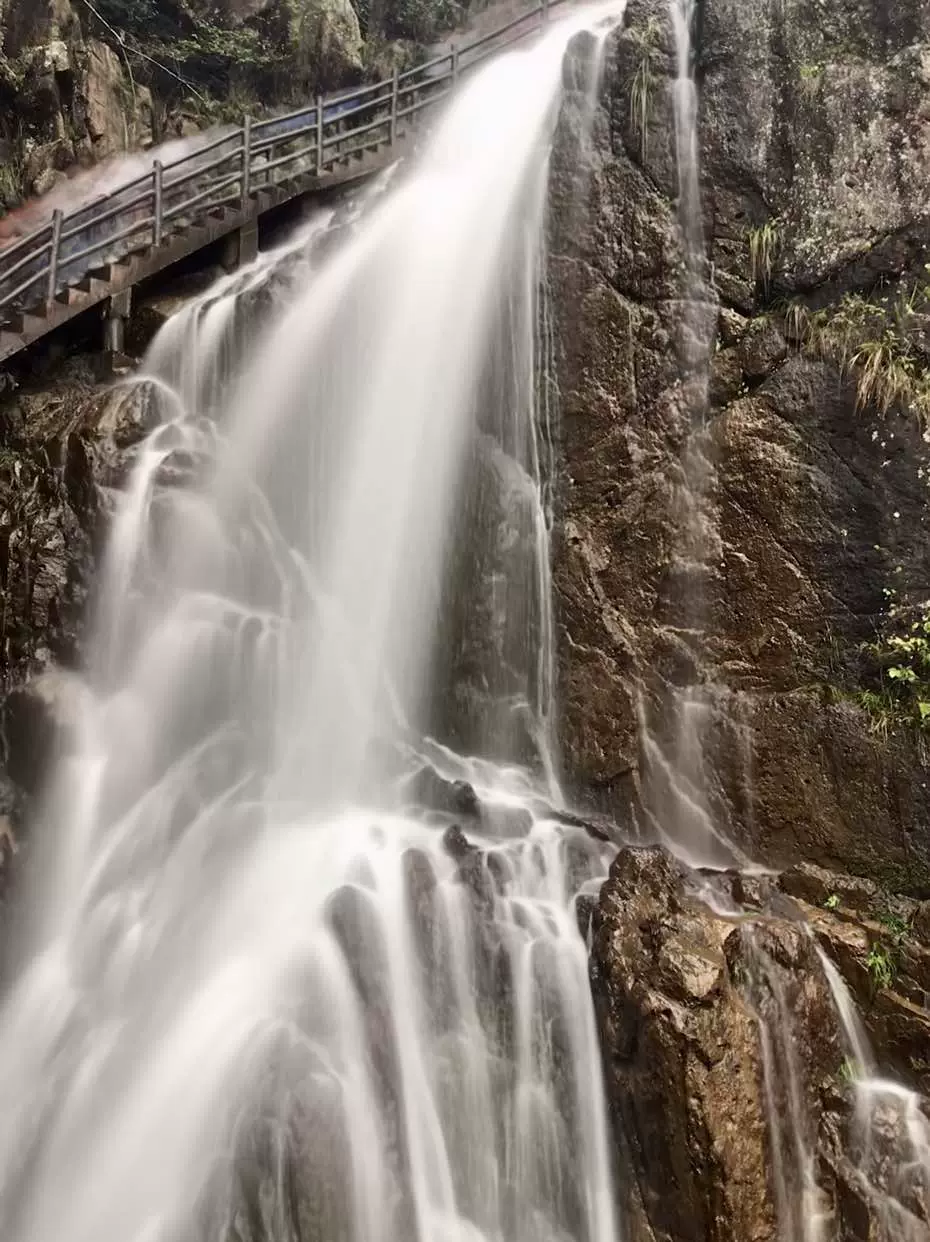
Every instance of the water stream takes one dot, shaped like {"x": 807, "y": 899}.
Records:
{"x": 686, "y": 804}
{"x": 302, "y": 956}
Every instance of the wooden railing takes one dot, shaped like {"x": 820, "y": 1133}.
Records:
{"x": 235, "y": 166}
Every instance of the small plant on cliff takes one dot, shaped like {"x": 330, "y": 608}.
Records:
{"x": 902, "y": 665}
{"x": 798, "y": 319}
{"x": 848, "y": 1073}
{"x": 646, "y": 39}
{"x": 764, "y": 244}
{"x": 811, "y": 80}
{"x": 878, "y": 341}
{"x": 882, "y": 966}
{"x": 897, "y": 928}
{"x": 886, "y": 376}
{"x": 881, "y": 708}
{"x": 832, "y": 902}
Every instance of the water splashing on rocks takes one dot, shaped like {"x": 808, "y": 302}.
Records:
{"x": 308, "y": 957}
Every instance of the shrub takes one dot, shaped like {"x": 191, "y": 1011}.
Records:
{"x": 646, "y": 39}
{"x": 764, "y": 244}
{"x": 878, "y": 341}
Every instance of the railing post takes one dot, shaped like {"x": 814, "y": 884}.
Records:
{"x": 158, "y": 176}
{"x": 454, "y": 57}
{"x": 54, "y": 257}
{"x": 319, "y": 135}
{"x": 544, "y": 10}
{"x": 246, "y": 162}
{"x": 395, "y": 87}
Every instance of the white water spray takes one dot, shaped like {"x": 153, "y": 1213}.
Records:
{"x": 271, "y": 990}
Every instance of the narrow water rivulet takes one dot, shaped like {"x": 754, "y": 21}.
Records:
{"x": 684, "y": 805}
{"x": 303, "y": 957}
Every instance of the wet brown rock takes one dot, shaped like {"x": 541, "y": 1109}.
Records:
{"x": 725, "y": 1059}
{"x": 743, "y": 543}
{"x": 726, "y": 376}
{"x": 680, "y": 1056}
{"x": 762, "y": 348}
{"x": 874, "y": 939}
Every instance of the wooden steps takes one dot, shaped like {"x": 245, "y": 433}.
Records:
{"x": 21, "y": 326}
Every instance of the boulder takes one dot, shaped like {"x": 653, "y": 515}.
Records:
{"x": 327, "y": 36}
{"x": 729, "y": 1070}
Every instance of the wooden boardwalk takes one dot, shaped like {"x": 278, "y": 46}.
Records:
{"x": 101, "y": 250}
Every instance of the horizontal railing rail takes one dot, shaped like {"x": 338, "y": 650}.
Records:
{"x": 233, "y": 166}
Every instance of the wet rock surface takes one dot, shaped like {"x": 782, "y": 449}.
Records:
{"x": 735, "y": 523}
{"x": 728, "y": 1067}
{"x": 64, "y": 443}
{"x": 725, "y": 548}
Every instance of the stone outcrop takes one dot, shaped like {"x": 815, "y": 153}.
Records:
{"x": 725, "y": 548}
{"x": 817, "y": 120}
{"x": 63, "y": 445}
{"x": 731, "y": 1078}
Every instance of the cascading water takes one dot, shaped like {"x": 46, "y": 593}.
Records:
{"x": 270, "y": 988}
{"x": 684, "y": 801}
{"x": 889, "y": 1139}
{"x": 683, "y": 13}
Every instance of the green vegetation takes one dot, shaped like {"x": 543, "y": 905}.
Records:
{"x": 645, "y": 80}
{"x": 879, "y": 341}
{"x": 848, "y": 1073}
{"x": 902, "y": 693}
{"x": 884, "y": 959}
{"x": 882, "y": 966}
{"x": 811, "y": 80}
{"x": 832, "y": 902}
{"x": 417, "y": 20}
{"x": 186, "y": 46}
{"x": 898, "y": 929}
{"x": 764, "y": 244}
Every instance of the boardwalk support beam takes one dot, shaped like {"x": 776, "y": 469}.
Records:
{"x": 319, "y": 134}
{"x": 118, "y": 310}
{"x": 158, "y": 210}
{"x": 241, "y": 246}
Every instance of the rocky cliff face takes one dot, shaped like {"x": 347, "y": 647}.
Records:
{"x": 732, "y": 1074}
{"x": 742, "y": 580}
{"x": 725, "y": 550}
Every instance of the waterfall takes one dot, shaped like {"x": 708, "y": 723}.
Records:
{"x": 889, "y": 1130}
{"x": 686, "y": 804}
{"x": 305, "y": 955}
{"x": 686, "y": 127}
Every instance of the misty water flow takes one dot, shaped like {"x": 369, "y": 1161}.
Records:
{"x": 889, "y": 1140}
{"x": 285, "y": 972}
{"x": 697, "y": 808}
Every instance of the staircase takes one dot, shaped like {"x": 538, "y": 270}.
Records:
{"x": 197, "y": 200}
